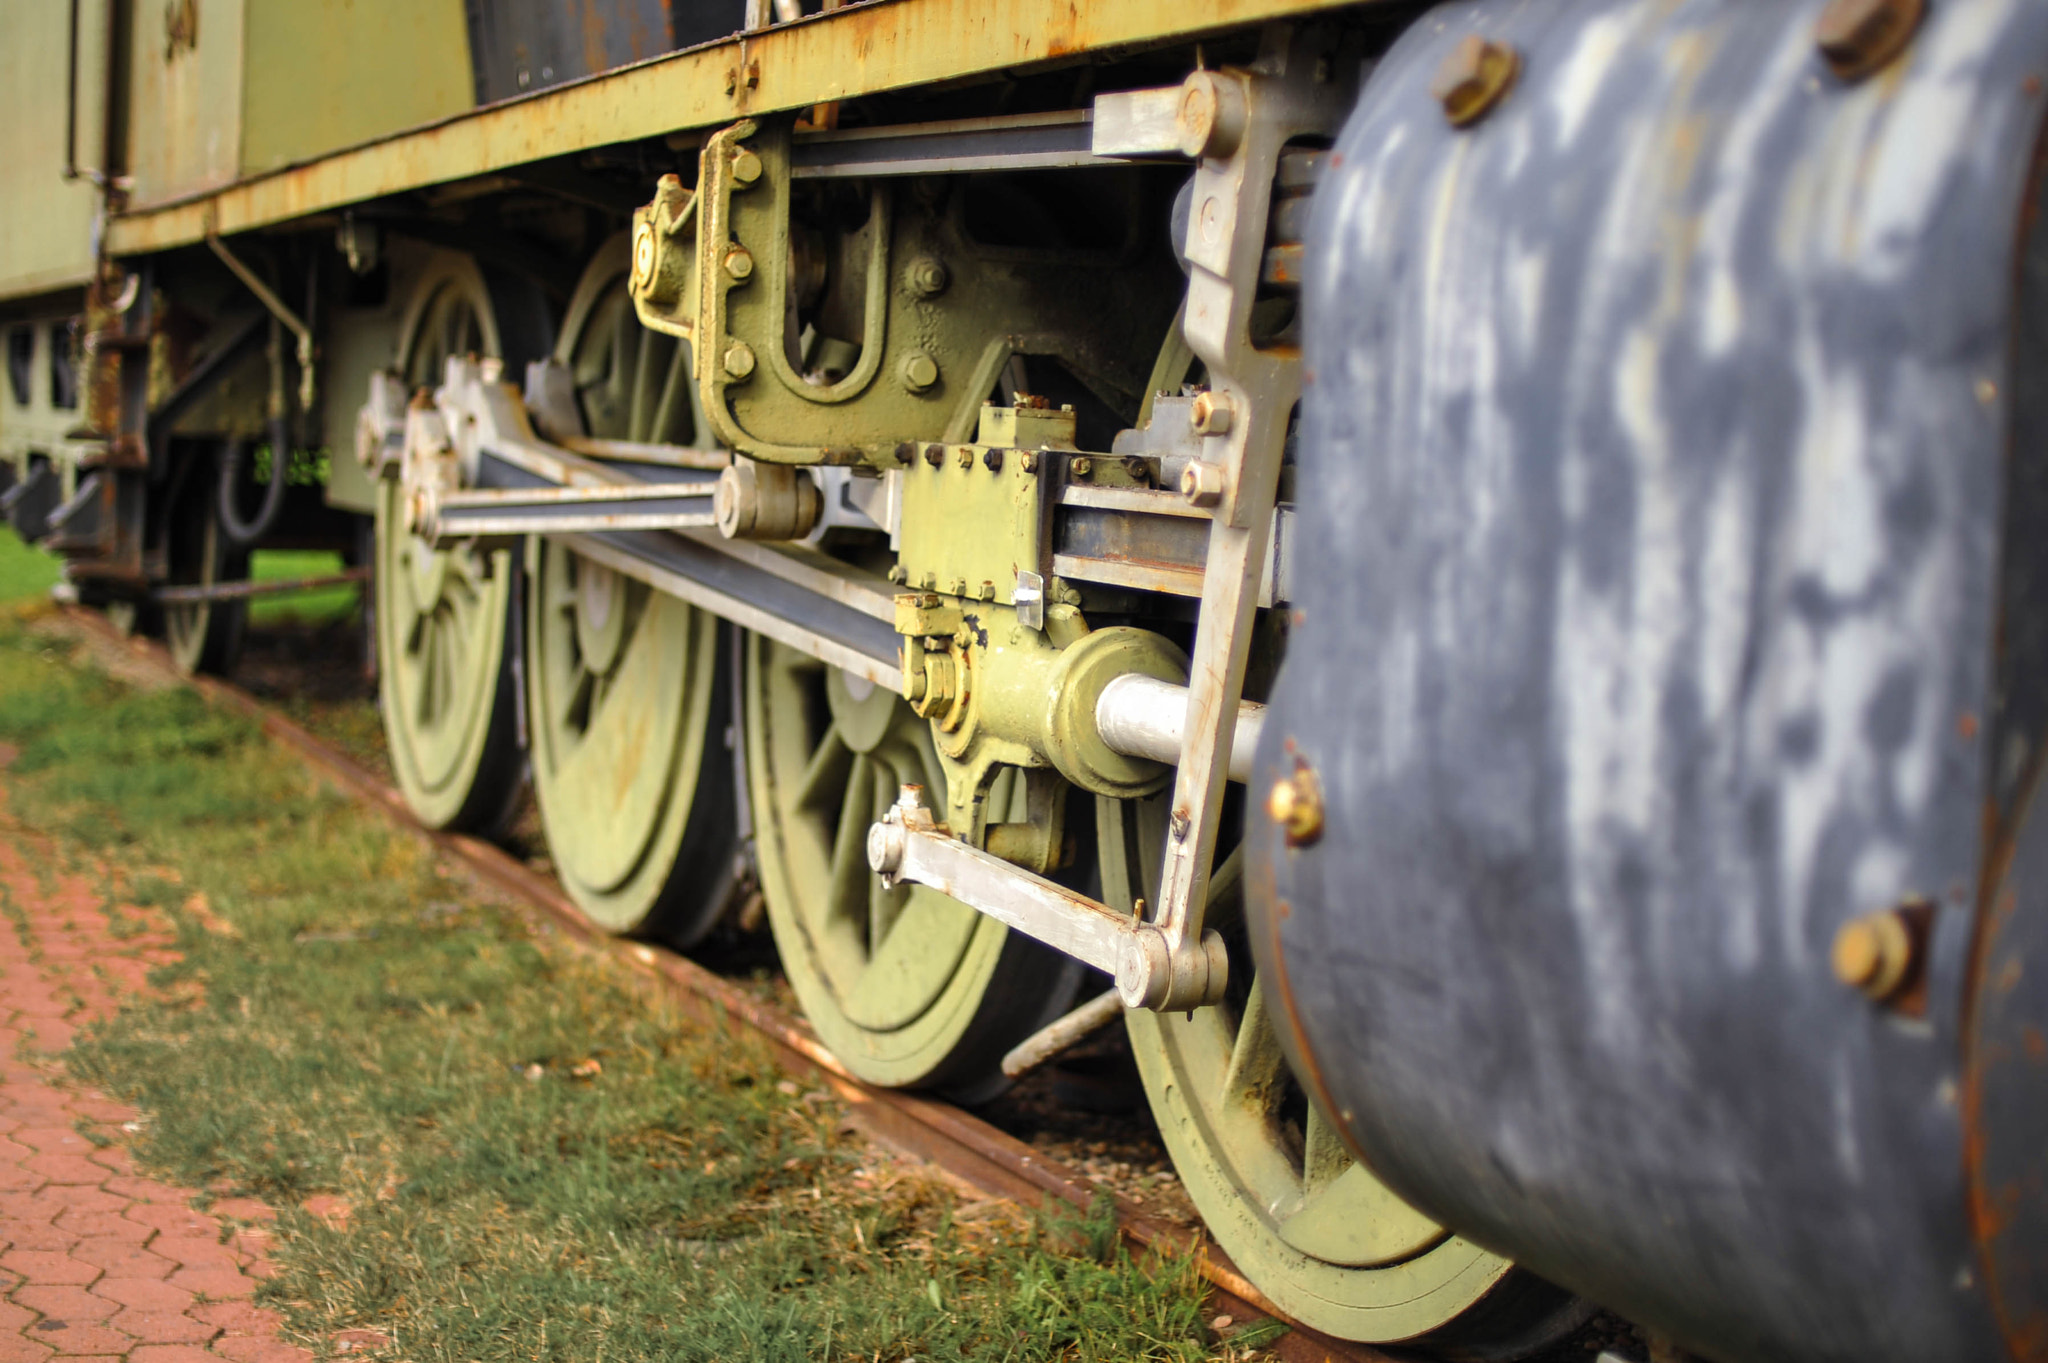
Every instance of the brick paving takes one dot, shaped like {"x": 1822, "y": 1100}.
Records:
{"x": 97, "y": 1261}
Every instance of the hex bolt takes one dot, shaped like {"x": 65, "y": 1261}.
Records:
{"x": 906, "y": 451}
{"x": 1859, "y": 37}
{"x": 992, "y": 460}
{"x": 1474, "y": 78}
{"x": 746, "y": 167}
{"x": 1030, "y": 458}
{"x": 739, "y": 262}
{"x": 1211, "y": 116}
{"x": 739, "y": 359}
{"x": 1137, "y": 468}
{"x": 1296, "y": 804}
{"x": 1082, "y": 466}
{"x": 1212, "y": 413}
{"x": 964, "y": 456}
{"x": 935, "y": 455}
{"x": 919, "y": 370}
{"x": 1201, "y": 482}
{"x": 1875, "y": 953}
{"x": 926, "y": 276}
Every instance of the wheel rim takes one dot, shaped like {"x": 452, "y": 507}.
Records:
{"x": 1313, "y": 1229}
{"x": 623, "y": 681}
{"x": 206, "y": 635}
{"x": 906, "y": 986}
{"x": 442, "y": 616}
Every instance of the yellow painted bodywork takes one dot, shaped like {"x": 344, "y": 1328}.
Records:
{"x": 860, "y": 50}
{"x": 45, "y": 221}
{"x": 255, "y": 85}
{"x": 331, "y": 73}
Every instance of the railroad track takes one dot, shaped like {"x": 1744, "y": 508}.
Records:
{"x": 989, "y": 1160}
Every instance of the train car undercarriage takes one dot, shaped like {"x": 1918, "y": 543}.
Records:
{"x": 1468, "y": 566}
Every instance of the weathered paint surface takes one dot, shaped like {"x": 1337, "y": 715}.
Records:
{"x": 1653, "y": 475}
{"x": 46, "y": 235}
{"x": 863, "y": 49}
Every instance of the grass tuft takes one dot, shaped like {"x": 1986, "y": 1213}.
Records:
{"x": 482, "y": 1143}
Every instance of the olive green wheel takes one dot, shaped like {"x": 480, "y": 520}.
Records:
{"x": 907, "y": 986}
{"x": 1313, "y": 1229}
{"x": 444, "y": 673}
{"x": 628, "y": 702}
{"x": 205, "y": 636}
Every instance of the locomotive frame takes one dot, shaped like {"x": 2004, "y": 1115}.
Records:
{"x": 945, "y": 497}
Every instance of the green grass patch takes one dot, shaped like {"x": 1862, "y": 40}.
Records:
{"x": 319, "y": 606}
{"x": 542, "y": 1161}
{"x": 25, "y": 571}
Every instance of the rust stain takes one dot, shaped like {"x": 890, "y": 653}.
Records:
{"x": 1966, "y": 726}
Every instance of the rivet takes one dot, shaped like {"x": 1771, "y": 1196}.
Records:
{"x": 1296, "y": 804}
{"x": 1474, "y": 78}
{"x": 1858, "y": 37}
{"x": 739, "y": 359}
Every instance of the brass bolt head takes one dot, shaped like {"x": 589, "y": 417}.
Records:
{"x": 919, "y": 370}
{"x": 1874, "y": 953}
{"x": 1474, "y": 78}
{"x": 964, "y": 456}
{"x": 1212, "y": 413}
{"x": 739, "y": 359}
{"x": 1859, "y": 37}
{"x": 1296, "y": 804}
{"x": 1201, "y": 482}
{"x": 739, "y": 262}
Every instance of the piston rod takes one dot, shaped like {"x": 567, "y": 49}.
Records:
{"x": 1141, "y": 716}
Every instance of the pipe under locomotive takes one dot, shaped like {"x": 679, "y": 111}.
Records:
{"x": 1468, "y": 570}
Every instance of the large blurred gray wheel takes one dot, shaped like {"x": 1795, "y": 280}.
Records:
{"x": 445, "y": 672}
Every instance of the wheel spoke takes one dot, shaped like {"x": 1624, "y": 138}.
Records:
{"x": 823, "y": 781}
{"x": 847, "y": 888}
{"x": 1324, "y": 1158}
{"x": 1257, "y": 1077}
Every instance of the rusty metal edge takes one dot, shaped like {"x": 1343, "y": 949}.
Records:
{"x": 963, "y": 1145}
{"x": 847, "y": 53}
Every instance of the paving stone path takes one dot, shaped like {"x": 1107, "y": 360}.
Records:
{"x": 95, "y": 1260}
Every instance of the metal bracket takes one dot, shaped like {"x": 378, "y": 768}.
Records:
{"x": 282, "y": 313}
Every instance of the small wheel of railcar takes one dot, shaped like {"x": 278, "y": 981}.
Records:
{"x": 203, "y": 636}
{"x": 443, "y": 618}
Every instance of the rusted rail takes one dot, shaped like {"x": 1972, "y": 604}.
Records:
{"x": 958, "y": 1142}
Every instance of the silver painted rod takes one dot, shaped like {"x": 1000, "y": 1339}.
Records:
{"x": 1077, "y": 1026}
{"x": 1142, "y": 716}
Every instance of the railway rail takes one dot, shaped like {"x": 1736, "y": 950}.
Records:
{"x": 965, "y": 1147}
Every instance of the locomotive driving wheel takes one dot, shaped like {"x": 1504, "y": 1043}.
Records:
{"x": 443, "y": 617}
{"x": 627, "y": 701}
{"x": 908, "y": 986}
{"x": 1327, "y": 1241}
